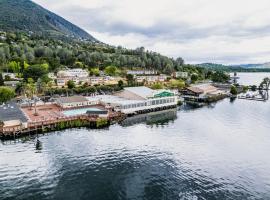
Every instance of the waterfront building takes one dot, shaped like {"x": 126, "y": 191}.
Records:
{"x": 135, "y": 100}
{"x": 75, "y": 102}
{"x": 201, "y": 91}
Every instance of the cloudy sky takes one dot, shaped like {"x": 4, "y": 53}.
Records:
{"x": 220, "y": 31}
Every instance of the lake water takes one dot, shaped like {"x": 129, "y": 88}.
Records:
{"x": 215, "y": 152}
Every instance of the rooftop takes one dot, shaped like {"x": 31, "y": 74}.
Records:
{"x": 10, "y": 112}
{"x": 114, "y": 99}
{"x": 144, "y": 92}
{"x": 203, "y": 88}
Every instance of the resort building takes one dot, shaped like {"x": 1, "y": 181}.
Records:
{"x": 151, "y": 79}
{"x": 73, "y": 73}
{"x": 183, "y": 75}
{"x": 76, "y": 80}
{"x": 75, "y": 102}
{"x": 142, "y": 72}
{"x": 135, "y": 100}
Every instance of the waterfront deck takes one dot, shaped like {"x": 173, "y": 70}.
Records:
{"x": 48, "y": 117}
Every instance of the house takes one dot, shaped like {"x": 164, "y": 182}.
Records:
{"x": 61, "y": 81}
{"x": 99, "y": 80}
{"x": 10, "y": 75}
{"x": 134, "y": 100}
{"x": 75, "y": 102}
{"x": 183, "y": 75}
{"x": 11, "y": 83}
{"x": 52, "y": 76}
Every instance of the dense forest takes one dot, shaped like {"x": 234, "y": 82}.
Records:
{"x": 19, "y": 50}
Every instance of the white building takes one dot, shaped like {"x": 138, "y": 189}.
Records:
{"x": 142, "y": 72}
{"x": 10, "y": 75}
{"x": 135, "y": 100}
{"x": 180, "y": 75}
{"x": 73, "y": 73}
{"x": 52, "y": 76}
{"x": 75, "y": 102}
{"x": 151, "y": 78}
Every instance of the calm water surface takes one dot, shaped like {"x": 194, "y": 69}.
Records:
{"x": 215, "y": 152}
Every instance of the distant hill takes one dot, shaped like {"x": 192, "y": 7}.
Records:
{"x": 260, "y": 66}
{"x": 27, "y": 16}
{"x": 238, "y": 68}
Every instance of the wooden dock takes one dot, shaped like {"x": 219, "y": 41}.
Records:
{"x": 58, "y": 124}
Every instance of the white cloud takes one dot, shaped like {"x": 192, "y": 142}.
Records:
{"x": 224, "y": 31}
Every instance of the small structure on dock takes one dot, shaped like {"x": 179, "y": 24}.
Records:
{"x": 12, "y": 118}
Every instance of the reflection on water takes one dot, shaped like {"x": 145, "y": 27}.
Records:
{"x": 218, "y": 152}
{"x": 157, "y": 118}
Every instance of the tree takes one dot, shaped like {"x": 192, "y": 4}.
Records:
{"x": 233, "y": 90}
{"x": 157, "y": 86}
{"x": 35, "y": 72}
{"x": 111, "y": 70}
{"x": 1, "y": 80}
{"x": 14, "y": 66}
{"x": 194, "y": 78}
{"x": 95, "y": 71}
{"x": 130, "y": 79}
{"x": 71, "y": 84}
{"x": 6, "y": 94}
{"x": 177, "y": 84}
{"x": 220, "y": 77}
{"x": 120, "y": 84}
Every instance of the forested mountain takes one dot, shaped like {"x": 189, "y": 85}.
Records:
{"x": 25, "y": 15}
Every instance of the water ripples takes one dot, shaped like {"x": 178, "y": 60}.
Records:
{"x": 209, "y": 153}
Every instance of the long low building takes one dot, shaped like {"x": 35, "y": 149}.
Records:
{"x": 75, "y": 102}
{"x": 139, "y": 99}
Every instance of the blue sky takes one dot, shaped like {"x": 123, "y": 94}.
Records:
{"x": 220, "y": 31}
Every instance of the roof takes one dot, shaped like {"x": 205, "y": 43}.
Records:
{"x": 110, "y": 99}
{"x": 144, "y": 92}
{"x": 203, "y": 88}
{"x": 73, "y": 99}
{"x": 11, "y": 111}
{"x": 195, "y": 90}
